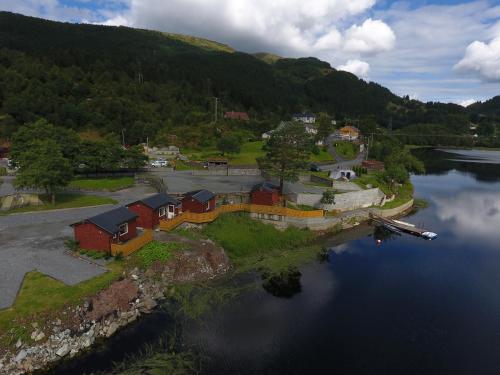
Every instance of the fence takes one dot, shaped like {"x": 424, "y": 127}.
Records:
{"x": 207, "y": 217}
{"x": 133, "y": 245}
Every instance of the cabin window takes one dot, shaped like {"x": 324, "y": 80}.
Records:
{"x": 123, "y": 229}
{"x": 161, "y": 211}
{"x": 171, "y": 209}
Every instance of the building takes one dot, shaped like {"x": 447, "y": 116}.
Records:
{"x": 310, "y": 129}
{"x": 152, "y": 209}
{"x": 305, "y": 117}
{"x": 217, "y": 163}
{"x": 99, "y": 232}
{"x": 266, "y": 194}
{"x": 373, "y": 165}
{"x": 241, "y": 116}
{"x": 267, "y": 135}
{"x": 337, "y": 174}
{"x": 349, "y": 133}
{"x": 198, "y": 201}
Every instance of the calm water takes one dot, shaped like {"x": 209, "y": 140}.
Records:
{"x": 407, "y": 306}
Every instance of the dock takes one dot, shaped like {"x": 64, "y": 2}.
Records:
{"x": 401, "y": 226}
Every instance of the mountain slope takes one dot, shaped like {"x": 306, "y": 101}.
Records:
{"x": 149, "y": 82}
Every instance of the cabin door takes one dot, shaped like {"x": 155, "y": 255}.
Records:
{"x": 171, "y": 212}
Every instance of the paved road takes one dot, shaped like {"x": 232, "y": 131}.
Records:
{"x": 341, "y": 163}
{"x": 35, "y": 241}
{"x": 6, "y": 187}
{"x": 183, "y": 181}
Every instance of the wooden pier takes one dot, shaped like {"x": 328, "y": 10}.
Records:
{"x": 403, "y": 227}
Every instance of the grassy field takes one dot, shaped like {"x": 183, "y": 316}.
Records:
{"x": 251, "y": 244}
{"x": 102, "y": 184}
{"x": 405, "y": 194}
{"x": 347, "y": 150}
{"x": 41, "y": 295}
{"x": 64, "y": 201}
{"x": 323, "y": 156}
{"x": 248, "y": 154}
{"x": 373, "y": 179}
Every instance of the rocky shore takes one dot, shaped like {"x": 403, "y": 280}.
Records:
{"x": 78, "y": 328}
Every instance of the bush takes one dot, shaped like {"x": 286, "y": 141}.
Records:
{"x": 328, "y": 197}
{"x": 156, "y": 252}
{"x": 3, "y": 171}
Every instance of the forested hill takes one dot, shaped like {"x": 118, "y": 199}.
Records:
{"x": 148, "y": 82}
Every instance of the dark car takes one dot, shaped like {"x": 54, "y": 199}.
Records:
{"x": 314, "y": 168}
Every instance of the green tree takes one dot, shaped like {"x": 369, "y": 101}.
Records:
{"x": 229, "y": 144}
{"x": 43, "y": 166}
{"x": 325, "y": 126}
{"x": 287, "y": 152}
{"x": 328, "y": 197}
{"x": 134, "y": 157}
{"x": 66, "y": 140}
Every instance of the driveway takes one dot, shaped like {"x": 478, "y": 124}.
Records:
{"x": 341, "y": 163}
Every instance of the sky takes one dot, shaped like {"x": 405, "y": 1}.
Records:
{"x": 431, "y": 50}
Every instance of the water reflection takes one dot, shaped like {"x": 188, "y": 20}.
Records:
{"x": 473, "y": 214}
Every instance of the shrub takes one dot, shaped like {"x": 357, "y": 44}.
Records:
{"x": 156, "y": 252}
{"x": 3, "y": 171}
{"x": 328, "y": 197}
{"x": 71, "y": 244}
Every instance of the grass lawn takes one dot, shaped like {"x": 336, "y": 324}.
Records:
{"x": 102, "y": 184}
{"x": 373, "y": 179}
{"x": 405, "y": 194}
{"x": 64, "y": 201}
{"x": 251, "y": 244}
{"x": 323, "y": 156}
{"x": 347, "y": 150}
{"x": 40, "y": 295}
{"x": 250, "y": 151}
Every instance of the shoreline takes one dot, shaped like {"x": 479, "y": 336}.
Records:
{"x": 136, "y": 293}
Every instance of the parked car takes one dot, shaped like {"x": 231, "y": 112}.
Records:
{"x": 159, "y": 163}
{"x": 314, "y": 168}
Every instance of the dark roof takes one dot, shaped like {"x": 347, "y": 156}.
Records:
{"x": 304, "y": 114}
{"x": 159, "y": 200}
{"x": 266, "y": 186}
{"x": 111, "y": 220}
{"x": 201, "y": 196}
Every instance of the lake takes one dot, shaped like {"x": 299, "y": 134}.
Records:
{"x": 402, "y": 306}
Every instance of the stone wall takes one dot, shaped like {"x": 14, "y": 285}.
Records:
{"x": 343, "y": 202}
{"x": 228, "y": 172}
{"x": 394, "y": 211}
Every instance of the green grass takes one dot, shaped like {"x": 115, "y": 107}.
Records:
{"x": 249, "y": 152}
{"x": 251, "y": 244}
{"x": 40, "y": 296}
{"x": 64, "y": 200}
{"x": 300, "y": 207}
{"x": 102, "y": 184}
{"x": 347, "y": 150}
{"x": 156, "y": 252}
{"x": 404, "y": 195}
{"x": 373, "y": 179}
{"x": 323, "y": 156}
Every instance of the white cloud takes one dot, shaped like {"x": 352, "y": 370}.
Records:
{"x": 357, "y": 67}
{"x": 371, "y": 37}
{"x": 482, "y": 59}
{"x": 466, "y": 102}
{"x": 289, "y": 27}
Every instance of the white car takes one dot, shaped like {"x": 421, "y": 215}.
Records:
{"x": 159, "y": 163}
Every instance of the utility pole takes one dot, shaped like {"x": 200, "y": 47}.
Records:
{"x": 123, "y": 136}
{"x": 216, "y": 104}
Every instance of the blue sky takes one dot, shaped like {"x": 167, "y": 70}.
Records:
{"x": 446, "y": 50}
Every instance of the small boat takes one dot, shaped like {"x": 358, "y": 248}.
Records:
{"x": 429, "y": 235}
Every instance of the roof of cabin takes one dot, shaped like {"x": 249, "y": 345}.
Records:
{"x": 201, "y": 196}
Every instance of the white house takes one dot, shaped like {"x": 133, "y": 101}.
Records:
{"x": 342, "y": 174}
{"x": 305, "y": 117}
{"x": 267, "y": 135}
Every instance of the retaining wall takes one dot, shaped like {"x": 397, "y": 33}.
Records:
{"x": 228, "y": 172}
{"x": 343, "y": 202}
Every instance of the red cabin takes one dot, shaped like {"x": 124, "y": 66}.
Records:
{"x": 265, "y": 194}
{"x": 99, "y": 232}
{"x": 155, "y": 208}
{"x": 198, "y": 201}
